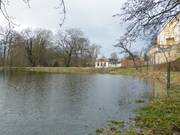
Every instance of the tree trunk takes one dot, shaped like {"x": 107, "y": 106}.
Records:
{"x": 4, "y": 56}
{"x": 168, "y": 75}
{"x": 68, "y": 62}
{"x": 135, "y": 63}
{"x": 147, "y": 65}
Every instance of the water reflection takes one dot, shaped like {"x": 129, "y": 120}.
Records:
{"x": 158, "y": 89}
{"x": 60, "y": 104}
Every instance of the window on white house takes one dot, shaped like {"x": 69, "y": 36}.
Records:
{"x": 170, "y": 41}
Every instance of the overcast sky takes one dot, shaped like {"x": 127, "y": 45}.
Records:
{"x": 93, "y": 17}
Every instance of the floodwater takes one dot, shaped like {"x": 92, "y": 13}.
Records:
{"x": 66, "y": 104}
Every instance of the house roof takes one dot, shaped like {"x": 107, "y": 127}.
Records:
{"x": 177, "y": 17}
{"x": 102, "y": 59}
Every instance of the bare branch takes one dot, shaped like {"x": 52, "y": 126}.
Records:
{"x": 145, "y": 17}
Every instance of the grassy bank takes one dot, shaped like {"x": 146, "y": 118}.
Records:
{"x": 121, "y": 71}
{"x": 69, "y": 70}
{"x": 158, "y": 117}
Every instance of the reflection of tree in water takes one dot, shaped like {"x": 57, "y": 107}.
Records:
{"x": 137, "y": 90}
{"x": 75, "y": 92}
{"x": 26, "y": 93}
{"x": 24, "y": 80}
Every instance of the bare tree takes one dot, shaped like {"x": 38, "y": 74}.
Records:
{"x": 114, "y": 56}
{"x": 17, "y": 54}
{"x": 28, "y": 42}
{"x": 6, "y": 37}
{"x": 71, "y": 43}
{"x": 125, "y": 47}
{"x": 62, "y": 12}
{"x": 93, "y": 52}
{"x": 38, "y": 48}
{"x": 76, "y": 49}
{"x": 4, "y": 12}
{"x": 36, "y": 44}
{"x": 165, "y": 50}
{"x": 41, "y": 41}
{"x": 146, "y": 16}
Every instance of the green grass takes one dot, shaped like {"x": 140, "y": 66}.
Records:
{"x": 69, "y": 70}
{"x": 161, "y": 116}
{"x": 158, "y": 117}
{"x": 122, "y": 71}
{"x": 66, "y": 69}
{"x": 112, "y": 127}
{"x": 99, "y": 130}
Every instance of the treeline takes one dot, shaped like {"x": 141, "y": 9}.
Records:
{"x": 41, "y": 47}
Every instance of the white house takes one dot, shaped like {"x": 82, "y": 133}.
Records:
{"x": 107, "y": 63}
{"x": 167, "y": 46}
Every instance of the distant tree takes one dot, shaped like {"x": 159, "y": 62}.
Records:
{"x": 125, "y": 47}
{"x": 71, "y": 44}
{"x": 40, "y": 48}
{"x": 17, "y": 54}
{"x": 36, "y": 44}
{"x": 76, "y": 49}
{"x": 6, "y": 37}
{"x": 28, "y": 36}
{"x": 93, "y": 52}
{"x": 114, "y": 55}
{"x": 43, "y": 39}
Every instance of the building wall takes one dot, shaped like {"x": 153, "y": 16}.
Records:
{"x": 129, "y": 62}
{"x": 168, "y": 37}
{"x": 115, "y": 65}
{"x": 161, "y": 57}
{"x": 102, "y": 64}
{"x": 171, "y": 30}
